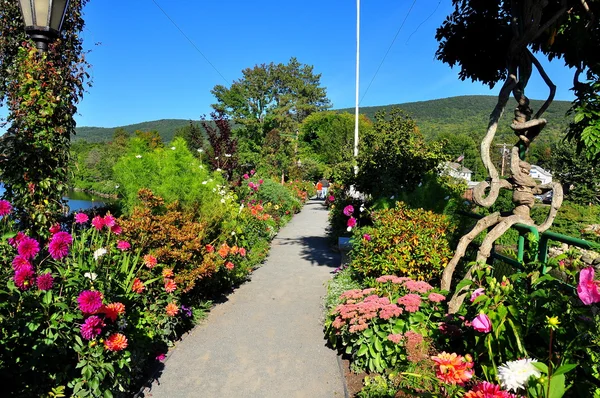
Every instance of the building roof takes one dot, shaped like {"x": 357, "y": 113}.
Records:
{"x": 458, "y": 167}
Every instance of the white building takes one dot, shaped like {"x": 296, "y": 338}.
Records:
{"x": 544, "y": 176}
{"x": 457, "y": 170}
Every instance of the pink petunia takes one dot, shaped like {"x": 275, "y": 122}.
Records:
{"x": 90, "y": 301}
{"x": 5, "y": 208}
{"x": 45, "y": 281}
{"x": 482, "y": 323}
{"x": 98, "y": 222}
{"x": 59, "y": 245}
{"x": 81, "y": 218}
{"x": 587, "y": 288}
{"x": 123, "y": 245}
{"x": 28, "y": 247}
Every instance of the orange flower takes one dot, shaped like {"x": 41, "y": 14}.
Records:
{"x": 172, "y": 309}
{"x": 138, "y": 286}
{"x": 453, "y": 369}
{"x": 234, "y": 250}
{"x": 229, "y": 265}
{"x": 224, "y": 250}
{"x": 150, "y": 261}
{"x": 167, "y": 273}
{"x": 115, "y": 342}
{"x": 113, "y": 310}
{"x": 170, "y": 285}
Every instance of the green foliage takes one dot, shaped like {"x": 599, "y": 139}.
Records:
{"x": 279, "y": 201}
{"x": 377, "y": 387}
{"x": 585, "y": 128}
{"x": 403, "y": 241}
{"x": 343, "y": 280}
{"x": 463, "y": 145}
{"x": 393, "y": 156}
{"x": 385, "y": 326}
{"x": 572, "y": 219}
{"x": 172, "y": 173}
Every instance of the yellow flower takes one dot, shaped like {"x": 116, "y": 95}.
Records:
{"x": 276, "y": 207}
{"x": 552, "y": 322}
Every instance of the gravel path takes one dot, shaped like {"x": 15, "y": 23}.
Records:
{"x": 267, "y": 339}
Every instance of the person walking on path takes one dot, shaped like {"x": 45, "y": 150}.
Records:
{"x": 325, "y": 187}
{"x": 266, "y": 340}
{"x": 320, "y": 190}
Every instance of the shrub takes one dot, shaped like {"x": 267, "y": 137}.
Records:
{"x": 279, "y": 201}
{"x": 404, "y": 242}
{"x": 384, "y": 326}
{"x": 571, "y": 220}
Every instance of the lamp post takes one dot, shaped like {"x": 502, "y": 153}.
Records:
{"x": 43, "y": 20}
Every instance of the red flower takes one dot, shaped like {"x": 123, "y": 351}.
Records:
{"x": 24, "y": 278}
{"x": 115, "y": 342}
{"x": 54, "y": 229}
{"x": 224, "y": 250}
{"x": 116, "y": 229}
{"x": 98, "y": 222}
{"x": 20, "y": 262}
{"x": 167, "y": 273}
{"x": 171, "y": 309}
{"x": 109, "y": 220}
{"x": 452, "y": 368}
{"x": 210, "y": 248}
{"x": 229, "y": 265}
{"x": 242, "y": 252}
{"x": 138, "y": 286}
{"x": 113, "y": 310}
{"x": 5, "y": 208}
{"x": 28, "y": 247}
{"x": 45, "y": 281}
{"x": 170, "y": 285}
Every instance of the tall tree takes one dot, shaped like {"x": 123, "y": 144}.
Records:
{"x": 491, "y": 41}
{"x": 579, "y": 175}
{"x": 41, "y": 93}
{"x": 271, "y": 96}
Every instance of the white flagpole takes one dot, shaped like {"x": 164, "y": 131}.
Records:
{"x": 357, "y": 81}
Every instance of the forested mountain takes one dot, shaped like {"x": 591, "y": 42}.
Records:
{"x": 464, "y": 114}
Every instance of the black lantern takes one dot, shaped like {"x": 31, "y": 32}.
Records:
{"x": 43, "y": 20}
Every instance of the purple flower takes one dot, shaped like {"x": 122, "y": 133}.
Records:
{"x": 482, "y": 323}
{"x": 187, "y": 311}
{"x": 348, "y": 210}
{"x": 45, "y": 281}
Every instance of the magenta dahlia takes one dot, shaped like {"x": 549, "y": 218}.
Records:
{"x": 90, "y": 301}
{"x": 59, "y": 245}
{"x": 81, "y": 218}
{"x": 98, "y": 222}
{"x": 5, "y": 208}
{"x": 24, "y": 278}
{"x": 20, "y": 262}
{"x": 28, "y": 247}
{"x": 92, "y": 327}
{"x": 45, "y": 281}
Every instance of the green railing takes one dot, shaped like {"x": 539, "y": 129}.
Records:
{"x": 543, "y": 239}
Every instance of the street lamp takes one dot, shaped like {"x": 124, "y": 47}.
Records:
{"x": 43, "y": 20}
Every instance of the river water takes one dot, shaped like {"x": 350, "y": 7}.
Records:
{"x": 76, "y": 200}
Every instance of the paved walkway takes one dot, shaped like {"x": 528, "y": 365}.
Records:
{"x": 267, "y": 339}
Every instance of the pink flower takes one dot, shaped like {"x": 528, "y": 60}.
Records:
{"x": 98, "y": 222}
{"x": 348, "y": 210}
{"x": 5, "y": 208}
{"x": 351, "y": 222}
{"x": 246, "y": 176}
{"x": 90, "y": 301}
{"x": 81, "y": 218}
{"x": 436, "y": 297}
{"x": 417, "y": 286}
{"x": 411, "y": 302}
{"x": 24, "y": 278}
{"x": 150, "y": 261}
{"x": 229, "y": 265}
{"x": 20, "y": 262}
{"x": 28, "y": 247}
{"x": 160, "y": 357}
{"x": 59, "y": 245}
{"x": 116, "y": 229}
{"x": 242, "y": 252}
{"x": 14, "y": 242}
{"x": 587, "y": 288}
{"x": 487, "y": 390}
{"x": 123, "y": 245}
{"x": 261, "y": 181}
{"x": 54, "y": 229}
{"x": 109, "y": 220}
{"x": 482, "y": 323}
{"x": 91, "y": 328}
{"x": 367, "y": 237}
{"x": 252, "y": 172}
{"x": 395, "y": 338}
{"x": 331, "y": 198}
{"x": 477, "y": 293}
{"x": 45, "y": 281}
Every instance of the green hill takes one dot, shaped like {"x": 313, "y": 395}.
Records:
{"x": 467, "y": 114}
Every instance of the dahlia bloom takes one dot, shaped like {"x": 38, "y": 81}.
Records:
{"x": 109, "y": 220}
{"x": 514, "y": 375}
{"x": 348, "y": 210}
{"x": 123, "y": 245}
{"x": 115, "y": 342}
{"x": 59, "y": 245}
{"x": 167, "y": 273}
{"x": 452, "y": 368}
{"x": 113, "y": 310}
{"x": 24, "y": 278}
{"x": 99, "y": 253}
{"x": 587, "y": 288}
{"x": 476, "y": 293}
{"x": 90, "y": 301}
{"x": 242, "y": 252}
{"x": 5, "y": 208}
{"x": 98, "y": 222}
{"x": 171, "y": 309}
{"x": 138, "y": 286}
{"x": 229, "y": 265}
{"x": 224, "y": 250}
{"x": 170, "y": 285}
{"x": 81, "y": 218}
{"x": 116, "y": 229}
{"x": 28, "y": 247}
{"x": 91, "y": 328}
{"x": 210, "y": 248}
{"x": 482, "y": 323}
{"x": 14, "y": 242}
{"x": 45, "y": 281}
{"x": 487, "y": 390}
{"x": 150, "y": 261}
{"x": 351, "y": 222}
{"x": 54, "y": 229}
{"x": 20, "y": 262}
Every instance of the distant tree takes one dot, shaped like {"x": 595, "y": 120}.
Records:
{"x": 223, "y": 146}
{"x": 152, "y": 138}
{"x": 277, "y": 154}
{"x": 462, "y": 148}
{"x": 393, "y": 156}
{"x": 579, "y": 175}
{"x": 120, "y": 137}
{"x": 271, "y": 96}
{"x": 192, "y": 134}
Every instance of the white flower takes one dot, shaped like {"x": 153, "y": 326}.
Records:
{"x": 514, "y": 375}
{"x": 349, "y": 229}
{"x": 116, "y": 187}
{"x": 214, "y": 189}
{"x": 200, "y": 150}
{"x": 219, "y": 170}
{"x": 232, "y": 233}
{"x": 138, "y": 156}
{"x": 223, "y": 200}
{"x": 99, "y": 253}
{"x": 227, "y": 155}
{"x": 217, "y": 158}
{"x": 172, "y": 148}
{"x": 392, "y": 197}
{"x": 420, "y": 183}
{"x": 90, "y": 275}
{"x": 447, "y": 197}
{"x": 204, "y": 182}
{"x": 201, "y": 166}
{"x": 362, "y": 208}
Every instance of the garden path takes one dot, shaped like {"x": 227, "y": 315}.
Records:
{"x": 266, "y": 340}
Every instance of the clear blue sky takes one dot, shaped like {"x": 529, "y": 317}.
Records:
{"x": 145, "y": 69}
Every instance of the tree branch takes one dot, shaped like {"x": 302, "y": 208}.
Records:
{"x": 548, "y": 82}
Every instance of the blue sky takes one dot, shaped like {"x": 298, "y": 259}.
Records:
{"x": 144, "y": 68}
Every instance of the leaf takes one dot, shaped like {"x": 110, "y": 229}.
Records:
{"x": 564, "y": 369}
{"x": 368, "y": 333}
{"x": 362, "y": 350}
{"x": 378, "y": 345}
{"x": 463, "y": 283}
{"x": 541, "y": 366}
{"x": 557, "y": 386}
